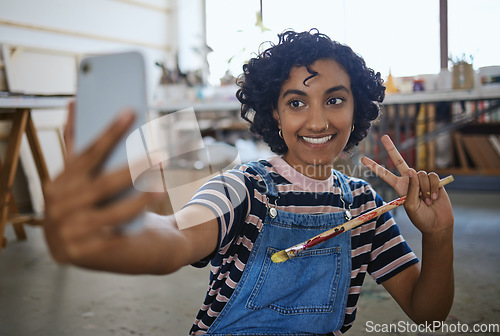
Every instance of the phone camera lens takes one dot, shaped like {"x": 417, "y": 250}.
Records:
{"x": 85, "y": 68}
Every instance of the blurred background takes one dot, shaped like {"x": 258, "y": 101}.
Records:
{"x": 441, "y": 65}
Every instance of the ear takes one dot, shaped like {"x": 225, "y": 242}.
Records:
{"x": 276, "y": 116}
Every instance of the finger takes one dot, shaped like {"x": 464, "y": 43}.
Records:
{"x": 434, "y": 185}
{"x": 99, "y": 223}
{"x": 412, "y": 195}
{"x": 94, "y": 155}
{"x": 380, "y": 171}
{"x": 425, "y": 187}
{"x": 85, "y": 193}
{"x": 394, "y": 154}
{"x": 69, "y": 131}
{"x": 119, "y": 213}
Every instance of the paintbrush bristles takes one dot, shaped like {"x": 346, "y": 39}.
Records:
{"x": 280, "y": 257}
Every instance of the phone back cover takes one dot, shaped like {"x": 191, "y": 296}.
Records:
{"x": 108, "y": 84}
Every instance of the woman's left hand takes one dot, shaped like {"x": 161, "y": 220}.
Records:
{"x": 427, "y": 204}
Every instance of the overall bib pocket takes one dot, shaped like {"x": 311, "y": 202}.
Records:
{"x": 306, "y": 284}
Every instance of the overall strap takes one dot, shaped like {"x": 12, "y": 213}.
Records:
{"x": 344, "y": 185}
{"x": 270, "y": 186}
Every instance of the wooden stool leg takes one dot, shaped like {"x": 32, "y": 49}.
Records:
{"x": 19, "y": 231}
{"x": 19, "y": 121}
{"x": 36, "y": 150}
{"x": 18, "y": 227}
{"x": 13, "y": 210}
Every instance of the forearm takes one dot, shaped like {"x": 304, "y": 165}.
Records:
{"x": 161, "y": 248}
{"x": 432, "y": 295}
{"x": 158, "y": 249}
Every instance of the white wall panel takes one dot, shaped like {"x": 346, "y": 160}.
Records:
{"x": 73, "y": 28}
{"x": 106, "y": 19}
{"x": 92, "y": 26}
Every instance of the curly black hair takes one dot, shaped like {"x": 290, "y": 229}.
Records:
{"x": 262, "y": 78}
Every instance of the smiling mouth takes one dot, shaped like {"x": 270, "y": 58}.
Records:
{"x": 317, "y": 141}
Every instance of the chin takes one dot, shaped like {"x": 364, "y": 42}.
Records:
{"x": 320, "y": 161}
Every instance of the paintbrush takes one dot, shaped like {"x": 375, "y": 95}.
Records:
{"x": 293, "y": 251}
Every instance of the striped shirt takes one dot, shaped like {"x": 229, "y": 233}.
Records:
{"x": 238, "y": 198}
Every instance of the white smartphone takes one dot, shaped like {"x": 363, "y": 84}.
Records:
{"x": 108, "y": 84}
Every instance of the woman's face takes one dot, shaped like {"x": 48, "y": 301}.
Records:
{"x": 315, "y": 118}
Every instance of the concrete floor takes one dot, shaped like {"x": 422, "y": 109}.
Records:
{"x": 38, "y": 297}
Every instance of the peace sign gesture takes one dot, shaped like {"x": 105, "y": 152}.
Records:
{"x": 427, "y": 205}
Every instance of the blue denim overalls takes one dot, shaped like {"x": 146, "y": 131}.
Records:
{"x": 305, "y": 295}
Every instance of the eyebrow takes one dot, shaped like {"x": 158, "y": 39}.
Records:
{"x": 328, "y": 91}
{"x": 294, "y": 91}
{"x": 337, "y": 88}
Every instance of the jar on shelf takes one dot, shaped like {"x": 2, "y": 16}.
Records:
{"x": 462, "y": 76}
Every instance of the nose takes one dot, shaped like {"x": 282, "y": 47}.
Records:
{"x": 317, "y": 120}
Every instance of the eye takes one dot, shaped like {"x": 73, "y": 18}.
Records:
{"x": 335, "y": 101}
{"x": 295, "y": 103}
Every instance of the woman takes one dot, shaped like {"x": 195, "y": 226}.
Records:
{"x": 310, "y": 98}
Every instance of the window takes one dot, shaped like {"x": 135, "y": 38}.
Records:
{"x": 400, "y": 36}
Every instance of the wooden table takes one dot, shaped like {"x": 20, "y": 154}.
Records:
{"x": 17, "y": 109}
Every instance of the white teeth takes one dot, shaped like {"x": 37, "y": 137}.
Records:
{"x": 317, "y": 140}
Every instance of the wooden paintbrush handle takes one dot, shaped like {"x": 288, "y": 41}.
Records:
{"x": 294, "y": 250}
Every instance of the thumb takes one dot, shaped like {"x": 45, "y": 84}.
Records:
{"x": 412, "y": 196}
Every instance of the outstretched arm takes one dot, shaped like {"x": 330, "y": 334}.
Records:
{"x": 426, "y": 293}
{"x": 80, "y": 230}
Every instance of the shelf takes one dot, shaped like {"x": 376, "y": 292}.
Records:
{"x": 483, "y": 128}
{"x": 472, "y": 180}
{"x": 402, "y": 110}
{"x": 230, "y": 105}
{"x": 491, "y": 92}
{"x": 35, "y": 102}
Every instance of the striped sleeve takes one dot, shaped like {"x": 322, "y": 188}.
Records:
{"x": 390, "y": 254}
{"x": 227, "y": 195}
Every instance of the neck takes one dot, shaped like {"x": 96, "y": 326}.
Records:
{"x": 314, "y": 171}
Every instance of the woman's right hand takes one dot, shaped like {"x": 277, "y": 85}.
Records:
{"x": 78, "y": 228}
